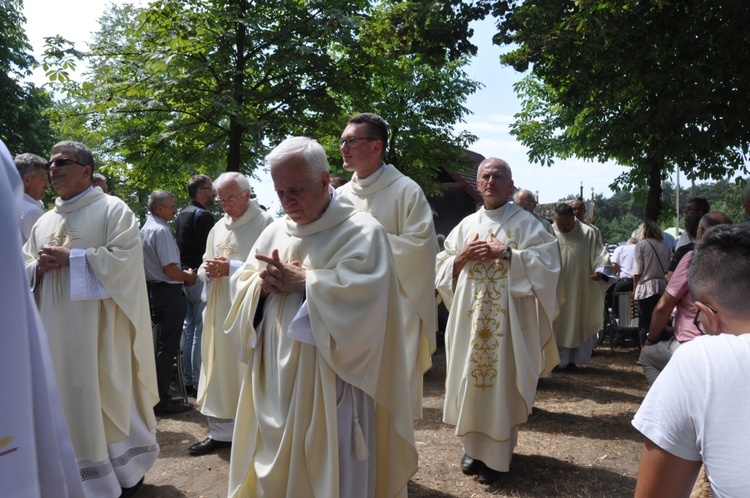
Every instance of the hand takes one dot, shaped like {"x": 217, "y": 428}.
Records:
{"x": 596, "y": 276}
{"x": 192, "y": 277}
{"x": 52, "y": 258}
{"x": 281, "y": 277}
{"x": 216, "y": 268}
{"x": 496, "y": 247}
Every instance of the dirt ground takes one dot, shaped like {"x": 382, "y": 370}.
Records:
{"x": 578, "y": 441}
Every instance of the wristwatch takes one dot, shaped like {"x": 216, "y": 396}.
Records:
{"x": 507, "y": 252}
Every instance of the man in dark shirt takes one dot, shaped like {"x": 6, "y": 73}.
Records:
{"x": 192, "y": 227}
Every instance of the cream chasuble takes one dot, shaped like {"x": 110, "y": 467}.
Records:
{"x": 102, "y": 349}
{"x": 286, "y": 428}
{"x": 221, "y": 371}
{"x": 498, "y": 335}
{"x": 581, "y": 300}
{"x": 399, "y": 204}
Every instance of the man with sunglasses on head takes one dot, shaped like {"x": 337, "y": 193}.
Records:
{"x": 657, "y": 352}
{"x": 85, "y": 262}
{"x": 399, "y": 204}
{"x": 696, "y": 411}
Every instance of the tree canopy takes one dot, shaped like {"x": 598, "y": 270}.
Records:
{"x": 647, "y": 83}
{"x": 23, "y": 127}
{"x": 185, "y": 86}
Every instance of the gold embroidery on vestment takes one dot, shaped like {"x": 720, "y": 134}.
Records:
{"x": 487, "y": 316}
{"x": 226, "y": 248}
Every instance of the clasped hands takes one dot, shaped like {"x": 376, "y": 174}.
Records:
{"x": 52, "y": 257}
{"x": 281, "y": 277}
{"x": 216, "y": 268}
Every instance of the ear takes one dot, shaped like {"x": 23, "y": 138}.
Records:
{"x": 711, "y": 321}
{"x": 325, "y": 178}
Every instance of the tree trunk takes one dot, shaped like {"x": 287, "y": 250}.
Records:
{"x": 653, "y": 202}
{"x": 236, "y": 130}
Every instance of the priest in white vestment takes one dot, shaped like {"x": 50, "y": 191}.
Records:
{"x": 85, "y": 262}
{"x": 580, "y": 296}
{"x": 324, "y": 410}
{"x": 497, "y": 276}
{"x": 36, "y": 456}
{"x": 228, "y": 244}
{"x": 399, "y": 204}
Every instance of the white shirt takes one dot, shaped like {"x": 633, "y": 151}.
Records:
{"x": 697, "y": 409}
{"x": 31, "y": 210}
{"x": 624, "y": 257}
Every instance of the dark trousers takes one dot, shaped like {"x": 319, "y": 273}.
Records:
{"x": 645, "y": 310}
{"x": 168, "y": 309}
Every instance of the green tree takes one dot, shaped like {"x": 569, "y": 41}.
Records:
{"x": 649, "y": 84}
{"x": 191, "y": 85}
{"x": 23, "y": 127}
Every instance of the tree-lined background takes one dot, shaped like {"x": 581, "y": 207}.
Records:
{"x": 185, "y": 86}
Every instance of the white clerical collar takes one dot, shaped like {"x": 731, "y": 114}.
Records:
{"x": 498, "y": 214}
{"x": 366, "y": 182}
{"x": 76, "y": 198}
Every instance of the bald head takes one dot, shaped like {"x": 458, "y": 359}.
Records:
{"x": 525, "y": 199}
{"x": 711, "y": 219}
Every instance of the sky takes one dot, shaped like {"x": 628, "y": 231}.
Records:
{"x": 492, "y": 107}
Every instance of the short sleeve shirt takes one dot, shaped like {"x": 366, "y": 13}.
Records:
{"x": 684, "y": 328}
{"x": 159, "y": 249}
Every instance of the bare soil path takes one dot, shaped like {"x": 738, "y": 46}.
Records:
{"x": 577, "y": 443}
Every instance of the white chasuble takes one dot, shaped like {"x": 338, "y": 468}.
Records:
{"x": 221, "y": 370}
{"x": 102, "y": 349}
{"x": 581, "y": 299}
{"x": 499, "y": 329}
{"x": 399, "y": 204}
{"x": 286, "y": 439}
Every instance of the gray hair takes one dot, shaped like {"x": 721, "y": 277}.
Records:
{"x": 82, "y": 153}
{"x": 238, "y": 179}
{"x": 30, "y": 164}
{"x": 304, "y": 148}
{"x": 491, "y": 160}
{"x": 158, "y": 198}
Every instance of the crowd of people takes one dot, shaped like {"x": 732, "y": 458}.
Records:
{"x": 305, "y": 339}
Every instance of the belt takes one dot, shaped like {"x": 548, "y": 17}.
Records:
{"x": 156, "y": 284}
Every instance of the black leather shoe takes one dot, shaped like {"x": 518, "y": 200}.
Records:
{"x": 207, "y": 446}
{"x": 168, "y": 406}
{"x": 127, "y": 492}
{"x": 469, "y": 466}
{"x": 487, "y": 475}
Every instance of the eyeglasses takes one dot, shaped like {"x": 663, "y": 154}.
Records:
{"x": 497, "y": 177}
{"x": 579, "y": 209}
{"x": 62, "y": 162}
{"x": 231, "y": 199}
{"x": 352, "y": 141}
{"x": 697, "y": 319}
